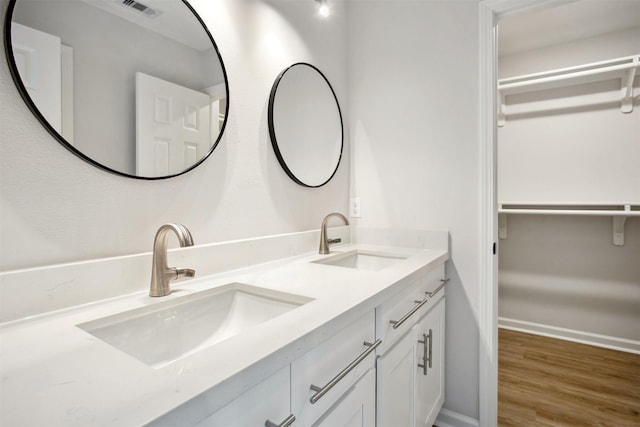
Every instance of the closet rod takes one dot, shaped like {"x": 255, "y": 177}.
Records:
{"x": 614, "y": 68}
{"x": 569, "y": 212}
{"x": 619, "y": 216}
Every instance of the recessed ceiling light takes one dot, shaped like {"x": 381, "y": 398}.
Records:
{"x": 323, "y": 8}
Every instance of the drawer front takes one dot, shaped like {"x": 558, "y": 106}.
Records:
{"x": 269, "y": 400}
{"x": 398, "y": 308}
{"x": 324, "y": 363}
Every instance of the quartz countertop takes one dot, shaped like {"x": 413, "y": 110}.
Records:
{"x": 54, "y": 373}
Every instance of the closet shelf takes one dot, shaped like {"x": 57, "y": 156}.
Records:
{"x": 625, "y": 69}
{"x": 619, "y": 213}
{"x": 535, "y": 210}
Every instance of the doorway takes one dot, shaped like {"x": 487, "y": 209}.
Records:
{"x": 548, "y": 230}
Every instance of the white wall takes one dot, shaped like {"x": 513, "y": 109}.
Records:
{"x": 56, "y": 208}
{"x": 593, "y": 49}
{"x": 414, "y": 130}
{"x": 565, "y": 271}
{"x": 570, "y": 144}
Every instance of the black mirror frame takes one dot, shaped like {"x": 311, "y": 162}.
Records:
{"x": 34, "y": 109}
{"x": 272, "y": 132}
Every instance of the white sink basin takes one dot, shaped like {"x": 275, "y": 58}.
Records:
{"x": 165, "y": 332}
{"x": 365, "y": 260}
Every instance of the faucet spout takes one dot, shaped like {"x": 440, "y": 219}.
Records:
{"x": 161, "y": 273}
{"x": 324, "y": 241}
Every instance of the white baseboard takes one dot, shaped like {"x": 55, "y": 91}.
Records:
{"x": 447, "y": 418}
{"x": 581, "y": 337}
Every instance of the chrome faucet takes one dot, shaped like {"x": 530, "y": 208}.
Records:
{"x": 324, "y": 241}
{"x": 161, "y": 274}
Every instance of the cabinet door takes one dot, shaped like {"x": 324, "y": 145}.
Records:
{"x": 396, "y": 383}
{"x": 269, "y": 400}
{"x": 357, "y": 408}
{"x": 407, "y": 396}
{"x": 430, "y": 380}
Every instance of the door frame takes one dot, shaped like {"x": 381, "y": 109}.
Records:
{"x": 491, "y": 11}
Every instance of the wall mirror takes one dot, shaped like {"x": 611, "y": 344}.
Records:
{"x": 134, "y": 87}
{"x": 305, "y": 125}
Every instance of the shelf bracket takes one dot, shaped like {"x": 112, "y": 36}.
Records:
{"x": 618, "y": 227}
{"x": 618, "y": 230}
{"x": 502, "y": 117}
{"x": 502, "y": 225}
{"x": 627, "y": 89}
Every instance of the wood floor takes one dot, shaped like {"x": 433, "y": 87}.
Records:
{"x": 549, "y": 382}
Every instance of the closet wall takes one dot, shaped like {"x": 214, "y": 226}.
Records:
{"x": 563, "y": 275}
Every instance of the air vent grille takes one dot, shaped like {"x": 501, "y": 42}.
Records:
{"x": 141, "y": 8}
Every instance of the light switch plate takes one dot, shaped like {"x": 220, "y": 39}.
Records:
{"x": 354, "y": 207}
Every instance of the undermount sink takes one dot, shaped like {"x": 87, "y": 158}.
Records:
{"x": 365, "y": 260}
{"x": 165, "y": 332}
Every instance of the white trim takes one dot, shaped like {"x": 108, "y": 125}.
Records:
{"x": 487, "y": 316}
{"x": 605, "y": 341}
{"x": 504, "y": 8}
{"x": 489, "y": 13}
{"x": 447, "y": 418}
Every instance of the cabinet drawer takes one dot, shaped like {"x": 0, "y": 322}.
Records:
{"x": 324, "y": 363}
{"x": 269, "y": 400}
{"x": 397, "y": 308}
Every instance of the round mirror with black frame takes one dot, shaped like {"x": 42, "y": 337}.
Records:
{"x": 305, "y": 125}
{"x": 137, "y": 88}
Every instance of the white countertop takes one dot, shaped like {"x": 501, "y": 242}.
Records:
{"x": 54, "y": 373}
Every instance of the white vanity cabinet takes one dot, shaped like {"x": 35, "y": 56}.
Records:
{"x": 313, "y": 364}
{"x": 410, "y": 370}
{"x": 342, "y": 366}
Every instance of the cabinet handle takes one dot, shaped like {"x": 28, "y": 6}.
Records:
{"x": 430, "y": 346}
{"x": 424, "y": 341}
{"x": 432, "y": 293}
{"x": 286, "y": 423}
{"x": 427, "y": 343}
{"x": 396, "y": 323}
{"x": 321, "y": 391}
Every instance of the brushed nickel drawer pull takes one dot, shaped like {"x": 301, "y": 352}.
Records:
{"x": 423, "y": 365}
{"x": 286, "y": 423}
{"x": 430, "y": 336}
{"x": 432, "y": 293}
{"x": 396, "y": 323}
{"x": 427, "y": 351}
{"x": 321, "y": 391}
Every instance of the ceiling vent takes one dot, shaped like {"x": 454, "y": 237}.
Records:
{"x": 141, "y": 8}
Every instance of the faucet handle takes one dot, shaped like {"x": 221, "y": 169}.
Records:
{"x": 185, "y": 272}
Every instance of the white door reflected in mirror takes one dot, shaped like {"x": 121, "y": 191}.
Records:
{"x": 38, "y": 59}
{"x": 305, "y": 125}
{"x": 172, "y": 126}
